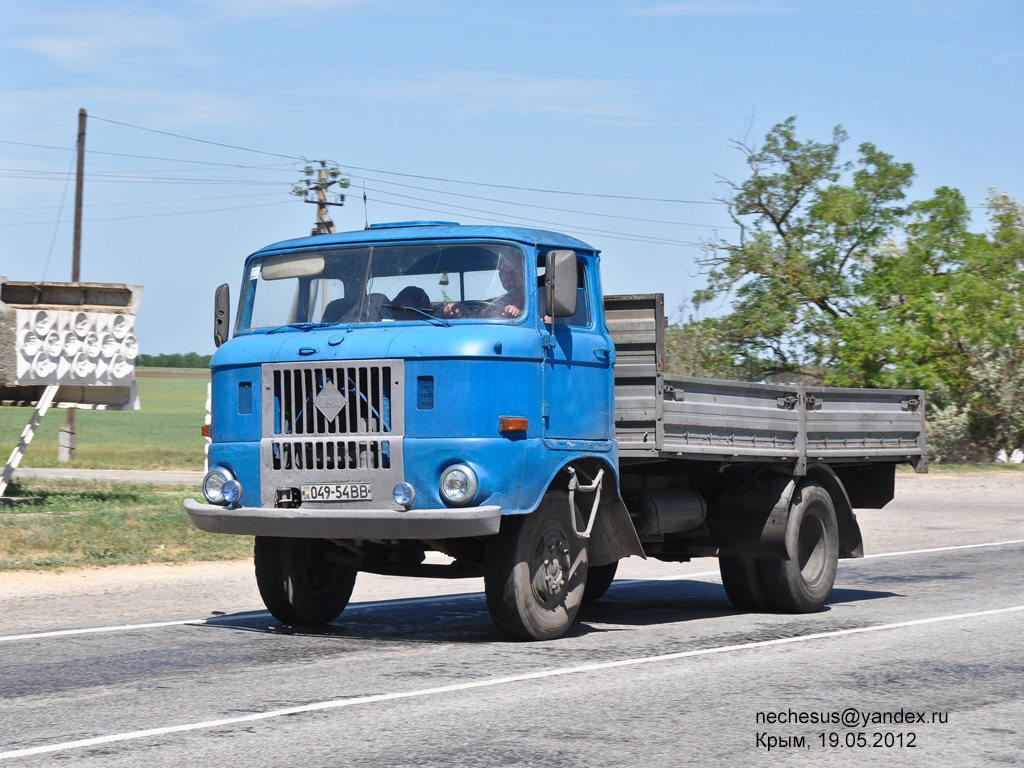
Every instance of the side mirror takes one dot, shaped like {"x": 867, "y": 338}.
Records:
{"x": 560, "y": 282}
{"x": 221, "y": 312}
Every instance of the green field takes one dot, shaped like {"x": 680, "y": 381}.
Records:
{"x": 95, "y": 524}
{"x": 164, "y": 434}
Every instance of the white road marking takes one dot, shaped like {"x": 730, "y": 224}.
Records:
{"x": 680, "y": 576}
{"x": 490, "y": 683}
{"x": 247, "y": 615}
{"x": 93, "y": 630}
{"x": 946, "y": 549}
{"x": 439, "y": 599}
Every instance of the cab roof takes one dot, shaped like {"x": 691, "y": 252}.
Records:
{"x": 432, "y": 230}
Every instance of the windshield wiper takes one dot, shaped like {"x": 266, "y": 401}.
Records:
{"x": 419, "y": 311}
{"x": 299, "y": 327}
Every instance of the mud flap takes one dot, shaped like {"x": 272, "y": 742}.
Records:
{"x": 614, "y": 536}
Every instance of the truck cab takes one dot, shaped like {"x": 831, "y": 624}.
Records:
{"x": 407, "y": 388}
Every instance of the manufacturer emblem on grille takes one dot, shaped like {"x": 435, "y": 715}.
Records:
{"x": 329, "y": 402}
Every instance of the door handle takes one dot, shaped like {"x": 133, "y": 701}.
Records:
{"x": 598, "y": 351}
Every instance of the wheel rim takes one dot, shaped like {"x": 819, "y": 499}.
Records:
{"x": 550, "y": 567}
{"x": 316, "y": 573}
{"x": 812, "y": 549}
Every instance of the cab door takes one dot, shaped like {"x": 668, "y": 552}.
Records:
{"x": 578, "y": 359}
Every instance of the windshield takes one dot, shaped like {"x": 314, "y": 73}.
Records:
{"x": 440, "y": 283}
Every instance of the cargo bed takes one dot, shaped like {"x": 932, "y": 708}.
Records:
{"x": 662, "y": 416}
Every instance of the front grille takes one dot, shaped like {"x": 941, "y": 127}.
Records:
{"x": 332, "y": 422}
{"x": 331, "y": 454}
{"x": 359, "y": 399}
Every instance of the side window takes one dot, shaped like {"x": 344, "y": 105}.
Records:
{"x": 582, "y": 317}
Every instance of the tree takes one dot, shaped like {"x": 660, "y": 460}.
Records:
{"x": 836, "y": 280}
{"x": 804, "y": 238}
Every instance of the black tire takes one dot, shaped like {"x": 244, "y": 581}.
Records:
{"x": 536, "y": 572}
{"x": 803, "y": 583}
{"x": 599, "y": 578}
{"x": 299, "y": 584}
{"x": 741, "y": 578}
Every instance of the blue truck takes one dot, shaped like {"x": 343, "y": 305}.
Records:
{"x": 429, "y": 387}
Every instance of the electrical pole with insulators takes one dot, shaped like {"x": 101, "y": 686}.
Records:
{"x": 315, "y": 191}
{"x": 66, "y": 443}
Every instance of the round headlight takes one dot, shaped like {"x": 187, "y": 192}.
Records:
{"x": 403, "y": 494}
{"x": 231, "y": 491}
{"x": 215, "y": 484}
{"x": 458, "y": 484}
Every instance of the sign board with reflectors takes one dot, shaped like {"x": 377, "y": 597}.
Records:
{"x": 79, "y": 337}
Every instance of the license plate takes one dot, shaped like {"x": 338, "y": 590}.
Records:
{"x": 337, "y": 492}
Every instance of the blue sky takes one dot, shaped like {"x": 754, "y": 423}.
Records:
{"x": 600, "y": 98}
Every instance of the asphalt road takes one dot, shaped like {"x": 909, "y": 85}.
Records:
{"x": 662, "y": 671}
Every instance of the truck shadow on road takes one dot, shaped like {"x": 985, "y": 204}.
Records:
{"x": 463, "y": 618}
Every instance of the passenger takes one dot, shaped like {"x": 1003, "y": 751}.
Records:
{"x": 405, "y": 304}
{"x": 508, "y": 305}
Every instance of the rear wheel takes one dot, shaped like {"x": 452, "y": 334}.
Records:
{"x": 803, "y": 583}
{"x": 299, "y": 582}
{"x": 741, "y": 578}
{"x": 536, "y": 572}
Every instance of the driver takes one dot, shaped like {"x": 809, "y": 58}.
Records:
{"x": 508, "y": 305}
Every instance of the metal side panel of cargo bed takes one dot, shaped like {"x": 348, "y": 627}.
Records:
{"x": 663, "y": 416}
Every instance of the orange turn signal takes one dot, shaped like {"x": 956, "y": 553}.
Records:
{"x": 512, "y": 424}
{"x": 206, "y": 430}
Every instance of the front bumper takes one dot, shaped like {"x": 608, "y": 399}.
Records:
{"x": 421, "y": 524}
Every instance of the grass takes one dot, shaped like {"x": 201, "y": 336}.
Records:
{"x": 96, "y": 524}
{"x": 164, "y": 434}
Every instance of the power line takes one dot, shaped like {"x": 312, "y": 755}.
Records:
{"x": 534, "y": 222}
{"x": 147, "y": 215}
{"x": 105, "y": 175}
{"x": 546, "y": 207}
{"x": 56, "y": 226}
{"x": 539, "y": 221}
{"x": 140, "y": 157}
{"x": 142, "y": 202}
{"x": 415, "y": 176}
{"x": 532, "y": 189}
{"x": 566, "y": 229}
{"x": 201, "y": 141}
{"x": 15, "y": 173}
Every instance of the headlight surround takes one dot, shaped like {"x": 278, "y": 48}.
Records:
{"x": 458, "y": 485}
{"x": 221, "y": 487}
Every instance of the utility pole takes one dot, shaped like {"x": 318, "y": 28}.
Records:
{"x": 66, "y": 443}
{"x": 315, "y": 191}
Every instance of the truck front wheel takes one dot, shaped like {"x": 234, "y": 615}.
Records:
{"x": 536, "y": 572}
{"x": 803, "y": 583}
{"x": 299, "y": 582}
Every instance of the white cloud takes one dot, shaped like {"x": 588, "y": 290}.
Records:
{"x": 474, "y": 93}
{"x": 717, "y": 9}
{"x": 89, "y": 40}
{"x": 264, "y": 8}
{"x": 49, "y": 116}
{"x": 709, "y": 8}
